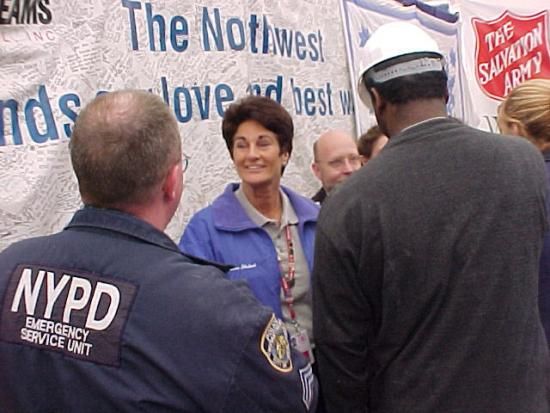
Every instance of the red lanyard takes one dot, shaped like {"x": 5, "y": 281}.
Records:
{"x": 287, "y": 280}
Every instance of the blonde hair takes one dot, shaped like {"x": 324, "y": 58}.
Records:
{"x": 529, "y": 105}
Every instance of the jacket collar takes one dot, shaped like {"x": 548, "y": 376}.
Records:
{"x": 122, "y": 223}
{"x": 111, "y": 220}
{"x": 229, "y": 215}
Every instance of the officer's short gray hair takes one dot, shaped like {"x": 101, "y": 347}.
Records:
{"x": 122, "y": 146}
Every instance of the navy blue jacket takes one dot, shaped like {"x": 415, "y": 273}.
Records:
{"x": 108, "y": 315}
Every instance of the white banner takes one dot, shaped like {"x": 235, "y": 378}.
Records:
{"x": 504, "y": 44}
{"x": 199, "y": 57}
{"x": 362, "y": 17}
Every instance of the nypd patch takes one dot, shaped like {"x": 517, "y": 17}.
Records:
{"x": 79, "y": 314}
{"x": 275, "y": 345}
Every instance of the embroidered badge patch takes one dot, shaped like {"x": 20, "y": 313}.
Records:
{"x": 306, "y": 376}
{"x": 79, "y": 314}
{"x": 275, "y": 346}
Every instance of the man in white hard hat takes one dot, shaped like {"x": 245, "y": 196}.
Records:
{"x": 335, "y": 158}
{"x": 426, "y": 259}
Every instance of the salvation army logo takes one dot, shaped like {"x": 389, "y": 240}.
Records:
{"x": 510, "y": 50}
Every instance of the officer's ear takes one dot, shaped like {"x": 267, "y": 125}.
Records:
{"x": 173, "y": 182}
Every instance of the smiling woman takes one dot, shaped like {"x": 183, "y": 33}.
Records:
{"x": 259, "y": 160}
{"x": 263, "y": 230}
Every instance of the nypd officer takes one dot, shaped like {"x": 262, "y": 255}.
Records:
{"x": 108, "y": 315}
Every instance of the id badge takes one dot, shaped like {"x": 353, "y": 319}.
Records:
{"x": 300, "y": 342}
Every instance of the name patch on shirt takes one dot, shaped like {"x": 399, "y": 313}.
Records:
{"x": 78, "y": 314}
{"x": 244, "y": 267}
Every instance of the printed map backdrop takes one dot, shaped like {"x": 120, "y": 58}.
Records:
{"x": 57, "y": 55}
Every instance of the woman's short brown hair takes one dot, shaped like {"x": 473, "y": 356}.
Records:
{"x": 267, "y": 112}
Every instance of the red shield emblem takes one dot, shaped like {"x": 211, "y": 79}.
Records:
{"x": 511, "y": 50}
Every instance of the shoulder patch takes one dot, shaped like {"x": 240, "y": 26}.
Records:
{"x": 275, "y": 346}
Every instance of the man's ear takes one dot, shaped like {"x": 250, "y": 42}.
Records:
{"x": 171, "y": 181}
{"x": 315, "y": 170}
{"x": 376, "y": 99}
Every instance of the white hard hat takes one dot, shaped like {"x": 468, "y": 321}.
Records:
{"x": 392, "y": 40}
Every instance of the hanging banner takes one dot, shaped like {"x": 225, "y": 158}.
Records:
{"x": 504, "y": 44}
{"x": 198, "y": 56}
{"x": 362, "y": 17}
